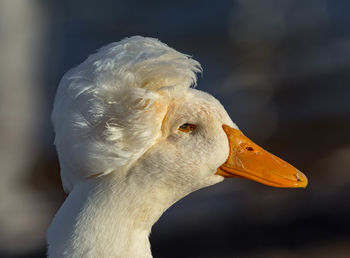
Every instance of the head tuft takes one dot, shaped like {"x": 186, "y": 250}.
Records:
{"x": 109, "y": 109}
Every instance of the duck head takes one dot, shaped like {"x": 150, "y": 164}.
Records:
{"x": 132, "y": 103}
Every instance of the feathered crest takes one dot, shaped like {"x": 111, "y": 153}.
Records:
{"x": 108, "y": 110}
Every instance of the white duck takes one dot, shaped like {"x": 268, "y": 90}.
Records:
{"x": 133, "y": 138}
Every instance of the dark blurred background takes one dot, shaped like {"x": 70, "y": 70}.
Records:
{"x": 280, "y": 67}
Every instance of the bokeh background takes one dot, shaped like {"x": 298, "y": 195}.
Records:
{"x": 280, "y": 67}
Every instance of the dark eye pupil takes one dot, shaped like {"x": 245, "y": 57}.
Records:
{"x": 187, "y": 128}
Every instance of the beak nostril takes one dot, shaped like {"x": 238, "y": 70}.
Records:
{"x": 249, "y": 148}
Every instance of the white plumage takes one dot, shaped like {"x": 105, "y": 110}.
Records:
{"x": 99, "y": 113}
{"x": 110, "y": 110}
{"x": 124, "y": 155}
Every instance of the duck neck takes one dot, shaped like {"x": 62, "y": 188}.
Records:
{"x": 109, "y": 216}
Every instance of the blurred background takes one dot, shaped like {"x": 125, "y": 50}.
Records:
{"x": 280, "y": 67}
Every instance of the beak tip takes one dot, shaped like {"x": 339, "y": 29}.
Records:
{"x": 302, "y": 179}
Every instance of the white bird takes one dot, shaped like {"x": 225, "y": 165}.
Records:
{"x": 133, "y": 137}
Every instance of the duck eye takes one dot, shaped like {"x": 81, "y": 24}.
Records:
{"x": 187, "y": 128}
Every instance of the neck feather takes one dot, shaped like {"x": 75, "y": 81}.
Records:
{"x": 110, "y": 216}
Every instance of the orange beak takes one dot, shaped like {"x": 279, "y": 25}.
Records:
{"x": 248, "y": 160}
